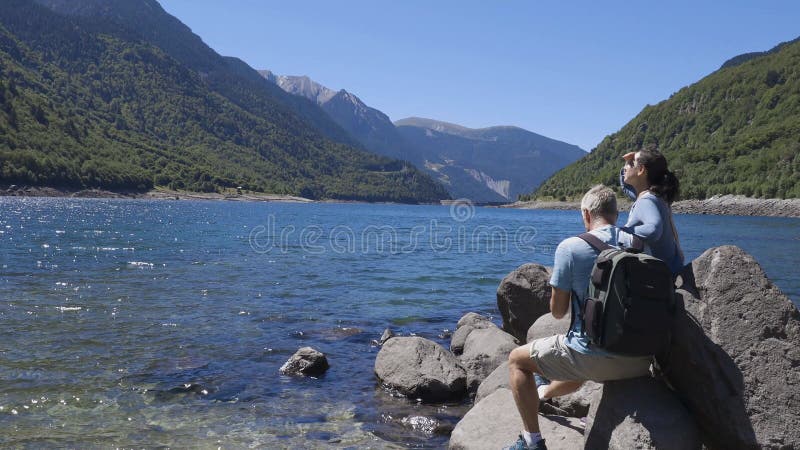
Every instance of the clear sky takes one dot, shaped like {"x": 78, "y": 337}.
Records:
{"x": 571, "y": 70}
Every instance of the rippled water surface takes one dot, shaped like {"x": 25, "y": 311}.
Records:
{"x": 158, "y": 323}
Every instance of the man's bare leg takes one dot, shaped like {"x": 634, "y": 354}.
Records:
{"x": 520, "y": 373}
{"x": 558, "y": 388}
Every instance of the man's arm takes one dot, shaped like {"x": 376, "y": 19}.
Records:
{"x": 559, "y": 302}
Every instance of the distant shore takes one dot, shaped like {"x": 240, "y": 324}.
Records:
{"x": 156, "y": 194}
{"x": 728, "y": 205}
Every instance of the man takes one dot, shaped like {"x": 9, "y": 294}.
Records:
{"x": 570, "y": 359}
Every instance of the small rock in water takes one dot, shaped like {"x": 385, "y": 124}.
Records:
{"x": 306, "y": 361}
{"x": 427, "y": 425}
{"x": 186, "y": 388}
{"x": 387, "y": 334}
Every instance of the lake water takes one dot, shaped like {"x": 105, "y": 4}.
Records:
{"x": 157, "y": 323}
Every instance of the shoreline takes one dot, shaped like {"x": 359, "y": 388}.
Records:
{"x": 155, "y": 194}
{"x": 722, "y": 205}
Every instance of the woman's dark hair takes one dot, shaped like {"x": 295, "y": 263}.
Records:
{"x": 663, "y": 183}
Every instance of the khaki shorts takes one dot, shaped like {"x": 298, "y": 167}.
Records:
{"x": 557, "y": 361}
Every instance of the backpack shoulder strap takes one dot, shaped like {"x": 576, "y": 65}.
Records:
{"x": 595, "y": 242}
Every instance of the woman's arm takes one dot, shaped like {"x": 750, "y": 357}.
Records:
{"x": 645, "y": 220}
{"x": 627, "y": 189}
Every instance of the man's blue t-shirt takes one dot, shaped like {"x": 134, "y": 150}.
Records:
{"x": 573, "y": 264}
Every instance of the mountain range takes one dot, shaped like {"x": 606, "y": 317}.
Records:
{"x": 118, "y": 94}
{"x": 736, "y": 131}
{"x": 507, "y": 160}
{"x": 493, "y": 164}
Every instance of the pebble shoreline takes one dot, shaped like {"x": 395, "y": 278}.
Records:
{"x": 160, "y": 194}
{"x": 729, "y": 205}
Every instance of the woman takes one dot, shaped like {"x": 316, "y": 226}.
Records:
{"x": 647, "y": 180}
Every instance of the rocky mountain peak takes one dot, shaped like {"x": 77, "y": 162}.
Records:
{"x": 269, "y": 76}
{"x": 300, "y": 85}
{"x": 483, "y": 164}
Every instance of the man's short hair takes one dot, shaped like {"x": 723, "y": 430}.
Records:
{"x": 600, "y": 201}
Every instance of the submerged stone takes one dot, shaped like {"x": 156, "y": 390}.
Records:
{"x": 306, "y": 361}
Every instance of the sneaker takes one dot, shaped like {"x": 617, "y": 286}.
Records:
{"x": 522, "y": 445}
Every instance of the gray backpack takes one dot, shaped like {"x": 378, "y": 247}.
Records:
{"x": 630, "y": 303}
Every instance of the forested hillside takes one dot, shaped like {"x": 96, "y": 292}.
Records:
{"x": 84, "y": 102}
{"x": 736, "y": 131}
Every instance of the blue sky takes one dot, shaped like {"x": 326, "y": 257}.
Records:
{"x": 574, "y": 71}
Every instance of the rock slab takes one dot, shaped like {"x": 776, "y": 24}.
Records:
{"x": 546, "y": 326}
{"x": 469, "y": 322}
{"x": 575, "y": 404}
{"x": 484, "y": 351}
{"x": 498, "y": 379}
{"x": 522, "y": 297}
{"x": 306, "y": 361}
{"x": 639, "y": 413}
{"x": 494, "y": 423}
{"x": 735, "y": 356}
{"x": 420, "y": 368}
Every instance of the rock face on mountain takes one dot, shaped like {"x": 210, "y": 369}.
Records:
{"x": 369, "y": 126}
{"x": 500, "y": 158}
{"x": 492, "y": 164}
{"x": 302, "y": 86}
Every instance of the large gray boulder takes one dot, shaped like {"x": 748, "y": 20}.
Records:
{"x": 522, "y": 297}
{"x": 735, "y": 356}
{"x": 470, "y": 321}
{"x": 495, "y": 423}
{"x": 496, "y": 380}
{"x": 484, "y": 351}
{"x": 547, "y": 325}
{"x": 575, "y": 404}
{"x": 419, "y": 368}
{"x": 474, "y": 320}
{"x": 305, "y": 361}
{"x": 639, "y": 413}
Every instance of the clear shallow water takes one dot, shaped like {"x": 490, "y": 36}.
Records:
{"x": 157, "y": 323}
